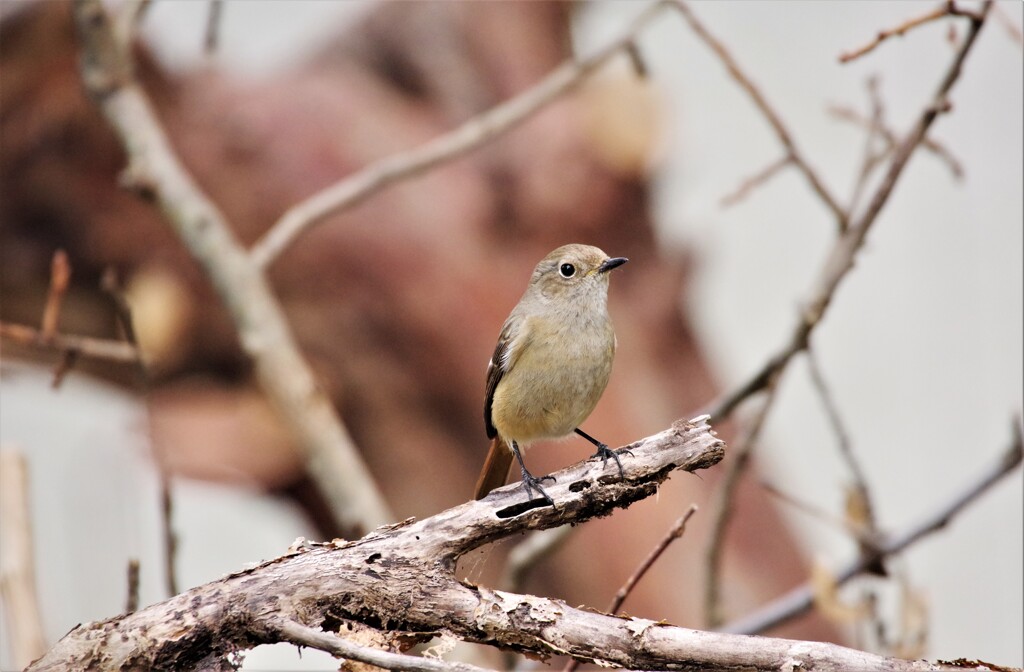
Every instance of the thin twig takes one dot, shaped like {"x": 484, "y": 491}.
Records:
{"x": 86, "y": 346}
{"x": 213, "y": 22}
{"x": 860, "y": 483}
{"x": 356, "y": 188}
{"x": 674, "y": 532}
{"x": 303, "y": 635}
{"x": 1009, "y": 24}
{"x": 785, "y": 137}
{"x": 876, "y": 130}
{"x": 132, "y": 601}
{"x": 110, "y": 284}
{"x": 812, "y": 510}
{"x": 60, "y": 274}
{"x": 848, "y": 114}
{"x": 153, "y": 168}
{"x": 18, "y": 586}
{"x": 799, "y": 600}
{"x": 754, "y": 181}
{"x": 841, "y": 258}
{"x": 167, "y": 532}
{"x": 948, "y": 8}
{"x": 721, "y": 504}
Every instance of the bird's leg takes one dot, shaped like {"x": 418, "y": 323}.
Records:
{"x": 529, "y": 480}
{"x": 604, "y": 452}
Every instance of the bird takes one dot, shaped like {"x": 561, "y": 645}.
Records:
{"x": 551, "y": 363}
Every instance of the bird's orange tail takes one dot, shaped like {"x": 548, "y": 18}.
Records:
{"x": 495, "y": 471}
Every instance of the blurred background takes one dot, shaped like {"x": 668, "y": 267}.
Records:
{"x": 397, "y": 303}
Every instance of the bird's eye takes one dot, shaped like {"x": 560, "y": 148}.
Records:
{"x": 567, "y": 270}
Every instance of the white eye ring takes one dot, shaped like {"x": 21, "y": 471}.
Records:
{"x": 567, "y": 270}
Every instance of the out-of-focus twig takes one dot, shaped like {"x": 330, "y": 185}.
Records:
{"x": 947, "y": 8}
{"x": 674, "y": 532}
{"x": 848, "y": 114}
{"x": 155, "y": 171}
{"x": 771, "y": 116}
{"x": 132, "y": 601}
{"x": 110, "y": 284}
{"x": 1009, "y": 24}
{"x": 800, "y": 599}
{"x": 875, "y": 131}
{"x": 754, "y": 181}
{"x": 721, "y": 503}
{"x": 358, "y": 187}
{"x": 17, "y": 562}
{"x": 865, "y": 521}
{"x": 86, "y": 346}
{"x": 213, "y": 23}
{"x": 60, "y": 274}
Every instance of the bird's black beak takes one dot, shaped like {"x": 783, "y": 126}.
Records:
{"x": 609, "y": 264}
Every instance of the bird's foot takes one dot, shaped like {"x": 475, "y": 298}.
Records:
{"x": 604, "y": 452}
{"x": 531, "y": 483}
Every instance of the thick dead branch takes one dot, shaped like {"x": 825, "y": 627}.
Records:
{"x": 404, "y": 576}
{"x": 356, "y": 188}
{"x": 155, "y": 172}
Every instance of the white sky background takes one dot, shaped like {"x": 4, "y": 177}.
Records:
{"x": 923, "y": 345}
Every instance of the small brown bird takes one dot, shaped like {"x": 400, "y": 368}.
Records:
{"x": 551, "y": 364}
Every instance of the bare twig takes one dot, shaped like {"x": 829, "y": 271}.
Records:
{"x": 867, "y": 521}
{"x": 721, "y": 504}
{"x": 947, "y": 8}
{"x": 60, "y": 274}
{"x": 154, "y": 169}
{"x": 747, "y": 84}
{"x": 872, "y": 157}
{"x": 17, "y": 562}
{"x": 812, "y": 510}
{"x": 132, "y": 601}
{"x": 303, "y": 635}
{"x": 213, "y": 21}
{"x": 754, "y": 181}
{"x": 1009, "y": 24}
{"x": 844, "y": 251}
{"x": 110, "y": 284}
{"x": 86, "y": 346}
{"x": 674, "y": 532}
{"x": 852, "y": 116}
{"x": 356, "y": 188}
{"x": 800, "y": 599}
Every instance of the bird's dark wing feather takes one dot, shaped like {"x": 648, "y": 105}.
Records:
{"x": 495, "y": 370}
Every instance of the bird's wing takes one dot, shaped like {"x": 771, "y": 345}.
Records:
{"x": 514, "y": 337}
